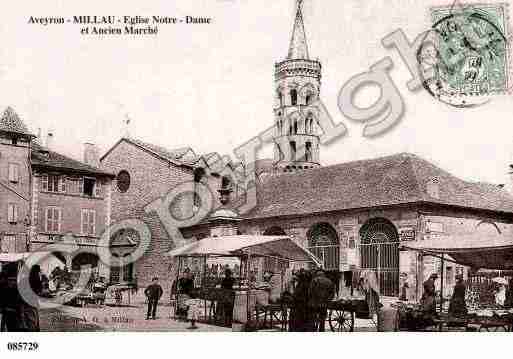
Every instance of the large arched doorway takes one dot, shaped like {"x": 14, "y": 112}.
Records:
{"x": 379, "y": 251}
{"x": 324, "y": 244}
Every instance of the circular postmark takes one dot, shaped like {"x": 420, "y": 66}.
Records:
{"x": 463, "y": 59}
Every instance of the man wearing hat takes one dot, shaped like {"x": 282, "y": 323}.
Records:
{"x": 153, "y": 292}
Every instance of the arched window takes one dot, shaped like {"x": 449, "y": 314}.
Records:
{"x": 280, "y": 152}
{"x": 379, "y": 252}
{"x": 310, "y": 123}
{"x": 293, "y": 97}
{"x": 292, "y": 150}
{"x": 308, "y": 151}
{"x": 295, "y": 127}
{"x": 323, "y": 242}
{"x": 308, "y": 99}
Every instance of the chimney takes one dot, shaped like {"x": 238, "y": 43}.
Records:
{"x": 49, "y": 140}
{"x": 91, "y": 154}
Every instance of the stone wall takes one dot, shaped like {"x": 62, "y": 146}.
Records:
{"x": 151, "y": 178}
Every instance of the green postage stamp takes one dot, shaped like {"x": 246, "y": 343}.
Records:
{"x": 472, "y": 49}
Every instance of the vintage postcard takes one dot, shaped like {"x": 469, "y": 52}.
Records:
{"x": 255, "y": 166}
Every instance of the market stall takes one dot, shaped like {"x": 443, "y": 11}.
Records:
{"x": 245, "y": 248}
{"x": 477, "y": 251}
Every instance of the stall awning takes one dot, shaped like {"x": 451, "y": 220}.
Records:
{"x": 230, "y": 246}
{"x": 16, "y": 257}
{"x": 13, "y": 257}
{"x": 474, "y": 250}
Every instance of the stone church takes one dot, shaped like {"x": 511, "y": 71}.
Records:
{"x": 352, "y": 216}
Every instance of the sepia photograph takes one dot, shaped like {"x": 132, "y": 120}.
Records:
{"x": 255, "y": 167}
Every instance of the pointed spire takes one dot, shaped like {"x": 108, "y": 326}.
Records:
{"x": 298, "y": 48}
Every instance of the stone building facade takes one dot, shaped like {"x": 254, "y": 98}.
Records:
{"x": 15, "y": 182}
{"x": 352, "y": 216}
{"x": 146, "y": 174}
{"x": 359, "y": 215}
{"x": 46, "y": 196}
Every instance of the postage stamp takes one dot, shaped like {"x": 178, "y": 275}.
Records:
{"x": 469, "y": 53}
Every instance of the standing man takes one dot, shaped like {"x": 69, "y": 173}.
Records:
{"x": 321, "y": 292}
{"x": 153, "y": 292}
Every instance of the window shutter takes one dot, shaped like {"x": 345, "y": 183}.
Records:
{"x": 47, "y": 216}
{"x": 62, "y": 180}
{"x": 15, "y": 213}
{"x": 9, "y": 213}
{"x": 92, "y": 219}
{"x": 81, "y": 185}
{"x": 44, "y": 183}
{"x": 59, "y": 219}
{"x": 84, "y": 221}
{"x": 98, "y": 188}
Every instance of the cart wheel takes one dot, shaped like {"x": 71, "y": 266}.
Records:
{"x": 341, "y": 320}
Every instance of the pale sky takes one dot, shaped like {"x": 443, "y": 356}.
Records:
{"x": 211, "y": 86}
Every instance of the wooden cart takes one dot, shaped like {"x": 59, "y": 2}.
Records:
{"x": 342, "y": 314}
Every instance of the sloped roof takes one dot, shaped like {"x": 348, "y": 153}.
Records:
{"x": 184, "y": 156}
{"x": 175, "y": 155}
{"x": 397, "y": 179}
{"x": 11, "y": 122}
{"x": 41, "y": 157}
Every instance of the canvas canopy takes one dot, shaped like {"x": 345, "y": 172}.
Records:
{"x": 13, "y": 257}
{"x": 242, "y": 245}
{"x": 474, "y": 250}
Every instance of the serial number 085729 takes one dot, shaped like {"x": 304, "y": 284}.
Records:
{"x": 22, "y": 346}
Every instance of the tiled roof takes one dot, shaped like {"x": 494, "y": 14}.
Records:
{"x": 11, "y": 122}
{"x": 184, "y": 155}
{"x": 41, "y": 157}
{"x": 391, "y": 180}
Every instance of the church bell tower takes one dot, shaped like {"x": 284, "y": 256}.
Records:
{"x": 297, "y": 87}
